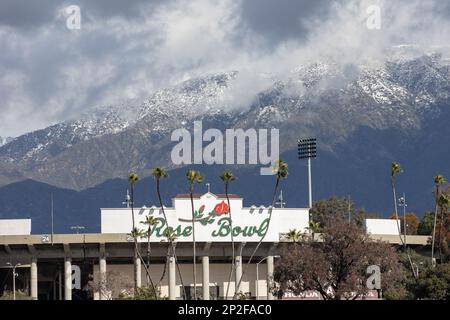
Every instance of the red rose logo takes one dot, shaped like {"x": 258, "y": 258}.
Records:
{"x": 221, "y": 208}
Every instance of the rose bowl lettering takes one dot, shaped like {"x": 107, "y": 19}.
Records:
{"x": 223, "y": 229}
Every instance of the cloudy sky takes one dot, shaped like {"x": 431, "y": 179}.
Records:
{"x": 127, "y": 49}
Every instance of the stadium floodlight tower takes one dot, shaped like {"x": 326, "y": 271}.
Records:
{"x": 307, "y": 149}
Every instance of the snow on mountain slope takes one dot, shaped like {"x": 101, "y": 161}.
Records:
{"x": 323, "y": 98}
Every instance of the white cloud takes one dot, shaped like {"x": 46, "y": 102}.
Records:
{"x": 49, "y": 73}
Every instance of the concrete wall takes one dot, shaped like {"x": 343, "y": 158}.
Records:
{"x": 382, "y": 226}
{"x": 122, "y": 276}
{"x": 10, "y": 227}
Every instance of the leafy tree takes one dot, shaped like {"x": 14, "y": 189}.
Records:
{"x": 326, "y": 211}
{"x": 227, "y": 177}
{"x": 412, "y": 223}
{"x": 193, "y": 177}
{"x": 434, "y": 283}
{"x": 444, "y": 227}
{"x": 338, "y": 263}
{"x": 426, "y": 224}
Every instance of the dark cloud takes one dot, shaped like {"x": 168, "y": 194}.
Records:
{"x": 26, "y": 14}
{"x": 282, "y": 20}
{"x": 127, "y": 49}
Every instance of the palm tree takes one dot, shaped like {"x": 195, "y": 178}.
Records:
{"x": 228, "y": 177}
{"x": 133, "y": 179}
{"x": 293, "y": 235}
{"x": 160, "y": 173}
{"x": 444, "y": 202}
{"x": 193, "y": 177}
{"x": 438, "y": 181}
{"x": 281, "y": 172}
{"x": 149, "y": 221}
{"x": 395, "y": 169}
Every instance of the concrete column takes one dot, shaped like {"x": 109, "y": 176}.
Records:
{"x": 102, "y": 266}
{"x": 172, "y": 279}
{"x": 59, "y": 283}
{"x": 238, "y": 268}
{"x": 34, "y": 279}
{"x": 269, "y": 278}
{"x": 67, "y": 279}
{"x": 138, "y": 271}
{"x": 205, "y": 278}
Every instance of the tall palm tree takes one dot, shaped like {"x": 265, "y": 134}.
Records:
{"x": 158, "y": 174}
{"x": 133, "y": 179}
{"x": 444, "y": 202}
{"x": 149, "y": 221}
{"x": 281, "y": 172}
{"x": 227, "y": 177}
{"x": 193, "y": 177}
{"x": 396, "y": 169}
{"x": 439, "y": 180}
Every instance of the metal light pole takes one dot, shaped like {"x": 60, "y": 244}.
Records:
{"x": 402, "y": 203}
{"x": 14, "y": 277}
{"x": 257, "y": 275}
{"x": 307, "y": 149}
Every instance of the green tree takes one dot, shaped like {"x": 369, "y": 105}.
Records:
{"x": 338, "y": 263}
{"x": 434, "y": 283}
{"x": 193, "y": 177}
{"x": 327, "y": 210}
{"x": 227, "y": 177}
{"x": 426, "y": 224}
{"x": 444, "y": 203}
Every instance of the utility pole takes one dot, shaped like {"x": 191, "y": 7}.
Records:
{"x": 52, "y": 215}
{"x": 402, "y": 203}
{"x": 127, "y": 201}
{"x": 307, "y": 149}
{"x": 280, "y": 200}
{"x": 14, "y": 277}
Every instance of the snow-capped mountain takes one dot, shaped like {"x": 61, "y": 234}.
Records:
{"x": 325, "y": 99}
{"x": 4, "y": 141}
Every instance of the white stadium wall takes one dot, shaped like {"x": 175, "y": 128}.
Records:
{"x": 212, "y": 224}
{"x": 382, "y": 226}
{"x": 13, "y": 227}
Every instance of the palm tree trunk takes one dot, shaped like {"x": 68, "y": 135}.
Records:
{"x": 399, "y": 229}
{"x": 148, "y": 255}
{"x": 396, "y": 210}
{"x": 436, "y": 209}
{"x": 232, "y": 243}
{"x": 134, "y": 239}
{"x": 194, "y": 254}
{"x": 158, "y": 191}
{"x": 264, "y": 235}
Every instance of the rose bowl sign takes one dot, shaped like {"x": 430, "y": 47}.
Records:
{"x": 212, "y": 220}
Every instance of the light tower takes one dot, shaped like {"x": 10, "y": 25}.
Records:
{"x": 307, "y": 149}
